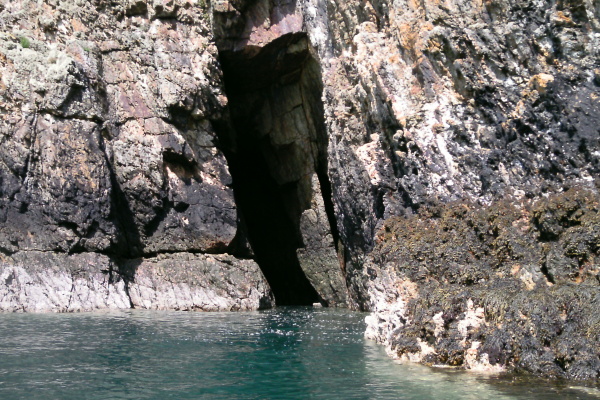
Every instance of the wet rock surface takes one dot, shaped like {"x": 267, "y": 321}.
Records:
{"x": 508, "y": 287}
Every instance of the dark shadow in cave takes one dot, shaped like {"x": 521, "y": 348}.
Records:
{"x": 271, "y": 232}
{"x": 270, "y": 177}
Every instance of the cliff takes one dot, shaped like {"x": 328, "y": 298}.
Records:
{"x": 114, "y": 193}
{"x": 434, "y": 162}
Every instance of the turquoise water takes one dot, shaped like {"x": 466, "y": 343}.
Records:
{"x": 286, "y": 353}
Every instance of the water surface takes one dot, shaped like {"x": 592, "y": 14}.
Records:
{"x": 286, "y": 353}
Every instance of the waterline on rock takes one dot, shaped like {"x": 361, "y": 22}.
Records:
{"x": 285, "y": 353}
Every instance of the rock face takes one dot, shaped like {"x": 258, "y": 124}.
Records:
{"x": 109, "y": 159}
{"x": 436, "y": 110}
{"x": 509, "y": 286}
{"x": 435, "y": 102}
{"x": 462, "y": 124}
{"x": 434, "y": 162}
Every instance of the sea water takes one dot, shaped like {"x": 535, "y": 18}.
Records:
{"x": 285, "y": 353}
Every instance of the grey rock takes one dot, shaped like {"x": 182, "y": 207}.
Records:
{"x": 318, "y": 257}
{"x": 184, "y": 281}
{"x": 34, "y": 281}
{"x": 109, "y": 153}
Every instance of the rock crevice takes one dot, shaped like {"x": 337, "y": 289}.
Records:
{"x": 276, "y": 146}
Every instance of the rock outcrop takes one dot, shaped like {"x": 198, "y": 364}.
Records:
{"x": 434, "y": 162}
{"x": 458, "y": 106}
{"x": 109, "y": 159}
{"x": 489, "y": 109}
{"x": 506, "y": 287}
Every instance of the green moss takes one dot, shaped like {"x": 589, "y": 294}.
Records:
{"x": 24, "y": 42}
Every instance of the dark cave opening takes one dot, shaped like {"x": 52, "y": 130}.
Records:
{"x": 274, "y": 141}
{"x": 271, "y": 232}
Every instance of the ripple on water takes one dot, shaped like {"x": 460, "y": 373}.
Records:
{"x": 286, "y": 353}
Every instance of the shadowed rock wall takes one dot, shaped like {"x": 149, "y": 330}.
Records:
{"x": 278, "y": 157}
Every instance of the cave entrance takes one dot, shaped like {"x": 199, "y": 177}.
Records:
{"x": 275, "y": 143}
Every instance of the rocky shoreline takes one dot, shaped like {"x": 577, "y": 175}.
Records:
{"x": 433, "y": 162}
{"x": 42, "y": 282}
{"x": 500, "y": 288}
